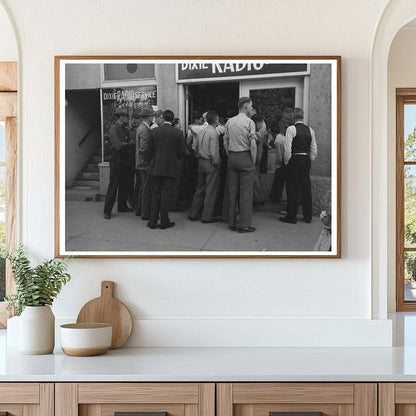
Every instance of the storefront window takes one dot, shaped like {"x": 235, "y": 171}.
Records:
{"x": 272, "y": 103}
{"x": 131, "y": 71}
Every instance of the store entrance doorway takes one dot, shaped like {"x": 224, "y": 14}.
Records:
{"x": 220, "y": 97}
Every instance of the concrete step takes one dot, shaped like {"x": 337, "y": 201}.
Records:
{"x": 82, "y": 193}
{"x": 85, "y": 174}
{"x": 86, "y": 182}
{"x": 92, "y": 167}
{"x": 97, "y": 159}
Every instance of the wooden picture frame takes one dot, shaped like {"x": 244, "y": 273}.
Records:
{"x": 184, "y": 83}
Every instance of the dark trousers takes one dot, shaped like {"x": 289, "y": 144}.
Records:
{"x": 206, "y": 190}
{"x": 225, "y": 207}
{"x": 240, "y": 188}
{"x": 119, "y": 182}
{"x": 299, "y": 187}
{"x": 137, "y": 183}
{"x": 130, "y": 178}
{"x": 278, "y": 184}
{"x": 144, "y": 197}
{"x": 223, "y": 188}
{"x": 177, "y": 185}
{"x": 160, "y": 189}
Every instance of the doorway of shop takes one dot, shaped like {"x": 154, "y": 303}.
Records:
{"x": 220, "y": 97}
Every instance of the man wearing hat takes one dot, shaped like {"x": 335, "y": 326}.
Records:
{"x": 119, "y": 164}
{"x": 134, "y": 185}
{"x": 143, "y": 136}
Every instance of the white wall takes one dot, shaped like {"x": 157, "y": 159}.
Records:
{"x": 249, "y": 302}
{"x": 8, "y": 47}
{"x": 401, "y": 74}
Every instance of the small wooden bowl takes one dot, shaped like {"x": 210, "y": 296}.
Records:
{"x": 85, "y": 340}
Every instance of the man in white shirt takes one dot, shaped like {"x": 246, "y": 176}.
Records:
{"x": 240, "y": 146}
{"x": 300, "y": 150}
{"x": 208, "y": 154}
{"x": 195, "y": 129}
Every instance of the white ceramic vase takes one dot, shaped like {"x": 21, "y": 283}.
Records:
{"x": 37, "y": 330}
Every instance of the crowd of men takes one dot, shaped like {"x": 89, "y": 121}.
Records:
{"x": 148, "y": 161}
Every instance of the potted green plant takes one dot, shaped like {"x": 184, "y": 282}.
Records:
{"x": 36, "y": 289}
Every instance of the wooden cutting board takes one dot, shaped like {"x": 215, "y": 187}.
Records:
{"x": 107, "y": 309}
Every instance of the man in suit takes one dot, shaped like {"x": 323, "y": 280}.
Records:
{"x": 166, "y": 146}
{"x": 119, "y": 165}
{"x": 142, "y": 161}
{"x": 300, "y": 151}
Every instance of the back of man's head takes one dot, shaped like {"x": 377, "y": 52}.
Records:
{"x": 298, "y": 114}
{"x": 243, "y": 101}
{"x": 168, "y": 116}
{"x": 211, "y": 117}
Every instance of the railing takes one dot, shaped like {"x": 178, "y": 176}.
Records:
{"x": 92, "y": 128}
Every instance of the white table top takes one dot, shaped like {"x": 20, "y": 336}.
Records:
{"x": 215, "y": 364}
{"x": 222, "y": 364}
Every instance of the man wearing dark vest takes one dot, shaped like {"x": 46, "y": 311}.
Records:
{"x": 300, "y": 150}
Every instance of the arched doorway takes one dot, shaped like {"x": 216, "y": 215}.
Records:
{"x": 396, "y": 15}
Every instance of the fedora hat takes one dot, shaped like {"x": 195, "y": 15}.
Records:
{"x": 147, "y": 111}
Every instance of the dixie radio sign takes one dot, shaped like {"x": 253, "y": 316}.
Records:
{"x": 215, "y": 71}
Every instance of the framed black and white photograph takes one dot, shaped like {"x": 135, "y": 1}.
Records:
{"x": 198, "y": 156}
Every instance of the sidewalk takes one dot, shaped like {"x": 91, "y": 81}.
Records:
{"x": 87, "y": 230}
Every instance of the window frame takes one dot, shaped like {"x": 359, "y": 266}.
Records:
{"x": 8, "y": 113}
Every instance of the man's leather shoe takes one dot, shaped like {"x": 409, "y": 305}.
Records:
{"x": 246, "y": 230}
{"x": 151, "y": 226}
{"x": 287, "y": 220}
{"x": 107, "y": 216}
{"x": 168, "y": 225}
{"x": 190, "y": 218}
{"x": 125, "y": 209}
{"x": 145, "y": 218}
{"x": 232, "y": 228}
{"x": 209, "y": 221}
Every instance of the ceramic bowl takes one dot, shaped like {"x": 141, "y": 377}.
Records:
{"x": 84, "y": 340}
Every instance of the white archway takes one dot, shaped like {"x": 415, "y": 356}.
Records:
{"x": 395, "y": 16}
{"x": 9, "y": 49}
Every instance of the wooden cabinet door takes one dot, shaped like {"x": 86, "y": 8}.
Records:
{"x": 309, "y": 399}
{"x": 27, "y": 399}
{"x": 397, "y": 399}
{"x": 145, "y": 399}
